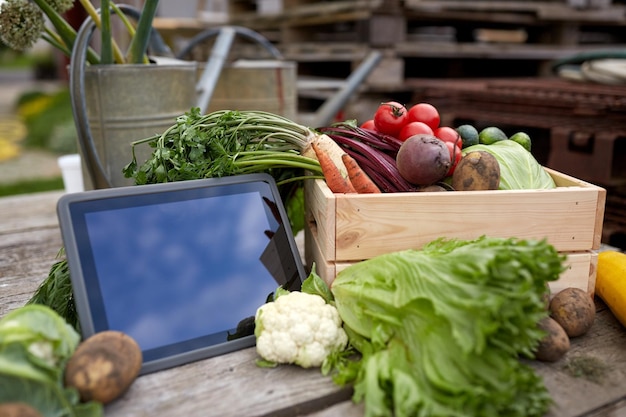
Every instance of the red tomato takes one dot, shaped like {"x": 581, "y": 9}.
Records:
{"x": 390, "y": 118}
{"x": 455, "y": 156}
{"x": 448, "y": 134}
{"x": 368, "y": 124}
{"x": 425, "y": 113}
{"x": 414, "y": 128}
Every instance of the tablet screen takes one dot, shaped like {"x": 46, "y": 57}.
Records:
{"x": 182, "y": 270}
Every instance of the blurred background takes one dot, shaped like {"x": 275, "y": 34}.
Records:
{"x": 554, "y": 69}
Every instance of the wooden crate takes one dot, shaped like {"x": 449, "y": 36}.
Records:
{"x": 344, "y": 229}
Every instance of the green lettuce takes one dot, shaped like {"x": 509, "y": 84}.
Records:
{"x": 35, "y": 345}
{"x": 441, "y": 331}
{"x": 518, "y": 168}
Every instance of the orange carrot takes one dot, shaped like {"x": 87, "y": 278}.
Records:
{"x": 359, "y": 179}
{"x": 335, "y": 181}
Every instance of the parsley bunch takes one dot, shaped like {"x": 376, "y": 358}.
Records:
{"x": 229, "y": 142}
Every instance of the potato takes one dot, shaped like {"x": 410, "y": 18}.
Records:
{"x": 555, "y": 343}
{"x": 104, "y": 366}
{"x": 432, "y": 188}
{"x": 18, "y": 410}
{"x": 574, "y": 310}
{"x": 477, "y": 170}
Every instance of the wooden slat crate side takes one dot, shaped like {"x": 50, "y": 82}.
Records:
{"x": 366, "y": 228}
{"x": 363, "y": 226}
{"x": 320, "y": 215}
{"x": 314, "y": 257}
{"x": 580, "y": 267}
{"x": 564, "y": 180}
{"x": 580, "y": 273}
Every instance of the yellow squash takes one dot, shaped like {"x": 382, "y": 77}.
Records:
{"x": 611, "y": 282}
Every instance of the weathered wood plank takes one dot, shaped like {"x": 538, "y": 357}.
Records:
{"x": 25, "y": 262}
{"x": 228, "y": 385}
{"x": 492, "y": 50}
{"x": 552, "y": 11}
{"x": 28, "y": 211}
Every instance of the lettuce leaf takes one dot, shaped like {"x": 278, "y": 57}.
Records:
{"x": 35, "y": 345}
{"x": 441, "y": 330}
{"x": 518, "y": 168}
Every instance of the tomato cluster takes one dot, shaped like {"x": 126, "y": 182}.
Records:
{"x": 395, "y": 119}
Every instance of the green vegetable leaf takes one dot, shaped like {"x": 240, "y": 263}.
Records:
{"x": 48, "y": 339}
{"x": 262, "y": 363}
{"x": 56, "y": 292}
{"x": 314, "y": 284}
{"x": 280, "y": 291}
{"x": 441, "y": 329}
{"x": 35, "y": 344}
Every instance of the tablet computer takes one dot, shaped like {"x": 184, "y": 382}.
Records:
{"x": 181, "y": 267}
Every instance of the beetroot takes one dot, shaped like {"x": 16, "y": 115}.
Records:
{"x": 423, "y": 159}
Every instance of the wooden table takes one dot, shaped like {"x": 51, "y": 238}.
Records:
{"x": 233, "y": 385}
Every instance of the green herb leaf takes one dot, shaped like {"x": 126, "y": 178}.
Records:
{"x": 227, "y": 143}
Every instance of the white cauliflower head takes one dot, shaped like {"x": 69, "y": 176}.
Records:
{"x": 298, "y": 328}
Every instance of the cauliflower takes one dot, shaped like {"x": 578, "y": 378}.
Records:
{"x": 298, "y": 328}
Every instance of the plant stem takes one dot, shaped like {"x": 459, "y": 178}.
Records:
{"x": 93, "y": 13}
{"x": 55, "y": 40}
{"x": 129, "y": 27}
{"x": 106, "y": 53}
{"x": 66, "y": 32}
{"x": 139, "y": 43}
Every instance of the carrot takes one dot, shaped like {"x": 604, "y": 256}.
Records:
{"x": 332, "y": 174}
{"x": 327, "y": 145}
{"x": 359, "y": 179}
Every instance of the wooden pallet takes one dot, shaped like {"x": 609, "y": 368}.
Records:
{"x": 583, "y": 123}
{"x": 414, "y": 33}
{"x": 543, "y": 10}
{"x": 562, "y": 96}
{"x": 311, "y": 13}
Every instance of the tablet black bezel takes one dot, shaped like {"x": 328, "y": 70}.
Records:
{"x": 83, "y": 297}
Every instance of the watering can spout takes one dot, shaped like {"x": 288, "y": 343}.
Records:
{"x": 326, "y": 113}
{"x": 211, "y": 74}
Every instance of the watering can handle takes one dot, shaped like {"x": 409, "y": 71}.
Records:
{"x": 78, "y": 59}
{"x": 79, "y": 107}
{"x": 225, "y": 36}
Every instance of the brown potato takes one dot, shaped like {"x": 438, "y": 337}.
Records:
{"x": 104, "y": 366}
{"x": 18, "y": 410}
{"x": 574, "y": 310}
{"x": 555, "y": 343}
{"x": 477, "y": 170}
{"x": 432, "y": 188}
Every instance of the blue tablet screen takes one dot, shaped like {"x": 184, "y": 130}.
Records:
{"x": 186, "y": 269}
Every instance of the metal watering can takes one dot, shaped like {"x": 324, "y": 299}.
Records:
{"x": 114, "y": 105}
